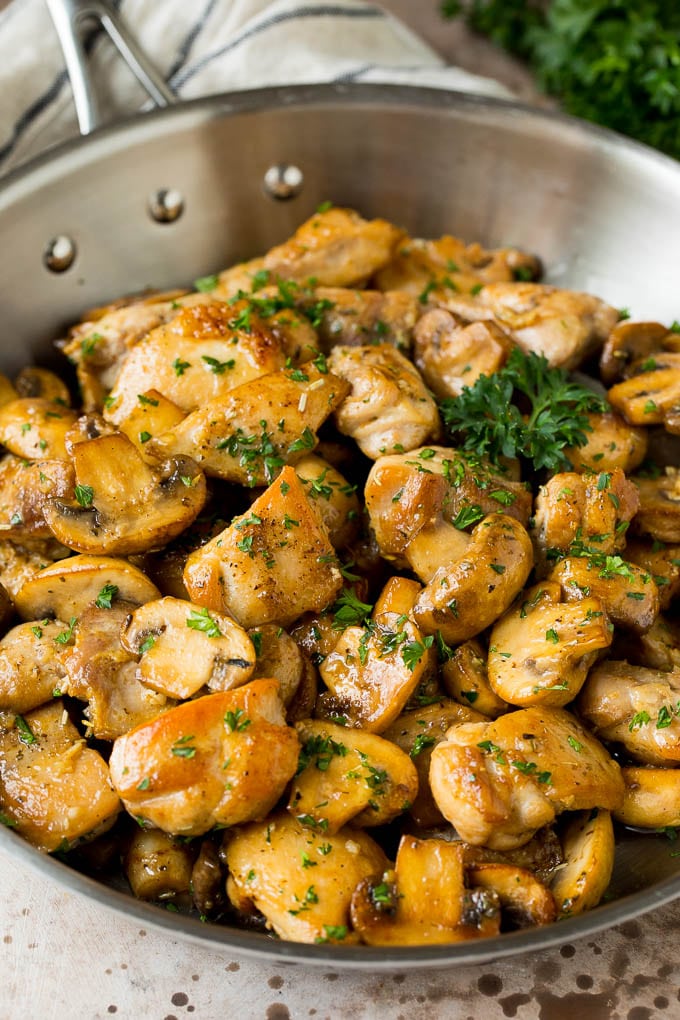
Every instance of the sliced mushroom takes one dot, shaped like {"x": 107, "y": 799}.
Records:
{"x": 465, "y": 597}
{"x": 25, "y": 489}
{"x": 152, "y": 415}
{"x": 629, "y": 596}
{"x": 221, "y": 759}
{"x": 334, "y": 497}
{"x": 651, "y": 798}
{"x": 279, "y": 656}
{"x": 661, "y": 561}
{"x": 541, "y": 649}
{"x": 184, "y": 647}
{"x": 54, "y": 790}
{"x": 270, "y": 565}
{"x": 157, "y": 866}
{"x": 301, "y": 880}
{"x": 122, "y": 505}
{"x": 208, "y": 880}
{"x": 610, "y": 444}
{"x": 374, "y": 669}
{"x": 657, "y": 648}
{"x": 581, "y": 882}
{"x": 651, "y": 392}
{"x": 659, "y": 513}
{"x": 33, "y": 381}
{"x": 67, "y": 587}
{"x": 631, "y": 342}
{"x": 452, "y": 354}
{"x": 388, "y": 408}
{"x": 499, "y": 782}
{"x": 465, "y": 678}
{"x": 637, "y": 707}
{"x": 525, "y": 900}
{"x": 247, "y": 435}
{"x": 34, "y": 428}
{"x": 31, "y": 665}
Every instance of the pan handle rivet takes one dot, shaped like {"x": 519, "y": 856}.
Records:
{"x": 59, "y": 254}
{"x": 283, "y": 181}
{"x": 166, "y": 205}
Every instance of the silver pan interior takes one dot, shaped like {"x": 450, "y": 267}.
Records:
{"x": 602, "y": 212}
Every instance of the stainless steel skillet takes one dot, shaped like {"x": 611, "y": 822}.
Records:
{"x": 164, "y": 198}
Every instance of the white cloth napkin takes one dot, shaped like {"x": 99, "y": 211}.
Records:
{"x": 203, "y": 47}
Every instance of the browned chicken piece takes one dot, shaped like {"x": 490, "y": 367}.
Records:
{"x": 629, "y": 595}
{"x": 104, "y": 674}
{"x": 466, "y": 596}
{"x": 499, "y": 782}
{"x": 280, "y": 657}
{"x": 200, "y": 355}
{"x": 348, "y": 776}
{"x": 637, "y": 707}
{"x": 451, "y": 353}
{"x": 541, "y": 649}
{"x": 19, "y": 563}
{"x": 356, "y": 317}
{"x": 565, "y": 326}
{"x": 152, "y": 415}
{"x": 408, "y": 493}
{"x": 611, "y": 444}
{"x": 388, "y": 409}
{"x": 25, "y": 489}
{"x": 54, "y": 790}
{"x": 300, "y": 880}
{"x": 334, "y": 497}
{"x": 221, "y": 760}
{"x": 657, "y": 648}
{"x": 661, "y": 561}
{"x": 242, "y": 278}
{"x": 591, "y": 509}
{"x": 428, "y": 269}
{"x": 631, "y": 343}
{"x": 659, "y": 513}
{"x": 465, "y": 677}
{"x": 271, "y": 564}
{"x": 651, "y": 392}
{"x": 337, "y": 248}
{"x": 417, "y": 732}
{"x": 374, "y": 669}
{"x": 34, "y": 428}
{"x": 31, "y": 665}
{"x": 252, "y": 431}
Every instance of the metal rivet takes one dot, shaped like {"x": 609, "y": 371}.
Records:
{"x": 59, "y": 254}
{"x": 283, "y": 181}
{"x": 166, "y": 205}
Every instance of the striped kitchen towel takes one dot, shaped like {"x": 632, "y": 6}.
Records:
{"x": 202, "y": 47}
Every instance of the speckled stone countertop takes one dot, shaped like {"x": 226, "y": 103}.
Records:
{"x": 63, "y": 957}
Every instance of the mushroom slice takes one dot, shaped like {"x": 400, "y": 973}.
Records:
{"x": 651, "y": 392}
{"x": 659, "y": 513}
{"x": 499, "y": 782}
{"x": 197, "y": 357}
{"x": 25, "y": 488}
{"x": 278, "y": 656}
{"x": 218, "y": 760}
{"x": 301, "y": 880}
{"x": 122, "y": 505}
{"x": 465, "y": 597}
{"x": 103, "y": 673}
{"x": 67, "y": 587}
{"x": 388, "y": 408}
{"x": 416, "y": 732}
{"x": 611, "y": 443}
{"x": 31, "y": 665}
{"x": 637, "y": 707}
{"x": 465, "y": 678}
{"x": 345, "y": 775}
{"x": 657, "y": 648}
{"x": 157, "y": 866}
{"x": 526, "y": 901}
{"x": 152, "y": 415}
{"x": 375, "y": 668}
{"x": 651, "y": 798}
{"x": 588, "y": 508}
{"x": 34, "y": 428}
{"x": 629, "y": 596}
{"x": 541, "y": 650}
{"x": 270, "y": 565}
{"x": 208, "y": 880}
{"x": 356, "y": 317}
{"x": 334, "y": 497}
{"x": 588, "y": 844}
{"x": 252, "y": 431}
{"x": 184, "y": 647}
{"x": 451, "y": 354}
{"x": 54, "y": 790}
{"x": 336, "y": 247}
{"x": 661, "y": 561}
{"x": 420, "y": 902}
{"x": 565, "y": 326}
{"x": 33, "y": 381}
{"x": 633, "y": 342}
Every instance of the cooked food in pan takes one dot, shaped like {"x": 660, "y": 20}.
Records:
{"x": 337, "y": 606}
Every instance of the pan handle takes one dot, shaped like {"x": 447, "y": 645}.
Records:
{"x": 69, "y": 16}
